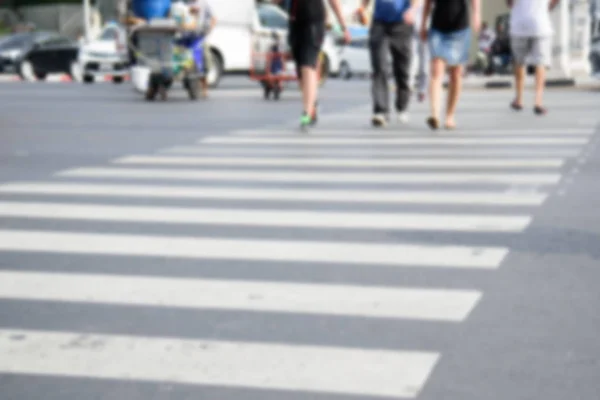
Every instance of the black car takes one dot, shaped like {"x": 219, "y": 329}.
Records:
{"x": 37, "y": 54}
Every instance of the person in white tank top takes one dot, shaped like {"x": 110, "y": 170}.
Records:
{"x": 531, "y": 42}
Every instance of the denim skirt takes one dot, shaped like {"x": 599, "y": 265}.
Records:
{"x": 452, "y": 47}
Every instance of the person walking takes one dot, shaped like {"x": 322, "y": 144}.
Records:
{"x": 531, "y": 42}
{"x": 306, "y": 34}
{"x": 449, "y": 41}
{"x": 391, "y": 28}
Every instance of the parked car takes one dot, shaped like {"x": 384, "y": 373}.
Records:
{"x": 35, "y": 55}
{"x": 355, "y": 58}
{"x": 106, "y": 55}
{"x": 13, "y": 47}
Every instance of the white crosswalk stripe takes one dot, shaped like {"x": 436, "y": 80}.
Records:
{"x": 314, "y": 177}
{"x": 321, "y": 369}
{"x": 373, "y": 302}
{"x": 290, "y": 219}
{"x": 138, "y": 208}
{"x": 348, "y": 163}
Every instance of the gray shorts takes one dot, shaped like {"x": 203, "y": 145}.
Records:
{"x": 532, "y": 50}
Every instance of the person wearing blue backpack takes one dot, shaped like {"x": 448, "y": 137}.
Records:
{"x": 392, "y": 27}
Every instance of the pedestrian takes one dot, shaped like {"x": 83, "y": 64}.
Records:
{"x": 531, "y": 42}
{"x": 391, "y": 28}
{"x": 420, "y": 59}
{"x": 449, "y": 41}
{"x": 204, "y": 24}
{"x": 306, "y": 35}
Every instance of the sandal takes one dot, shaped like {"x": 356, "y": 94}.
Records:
{"x": 538, "y": 110}
{"x": 433, "y": 123}
{"x": 515, "y": 106}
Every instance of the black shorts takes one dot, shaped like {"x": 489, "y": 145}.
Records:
{"x": 305, "y": 40}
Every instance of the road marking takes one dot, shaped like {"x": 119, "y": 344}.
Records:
{"x": 370, "y": 132}
{"x": 216, "y": 363}
{"x": 270, "y": 194}
{"x": 370, "y": 152}
{"x": 272, "y": 218}
{"x": 346, "y": 163}
{"x": 369, "y": 141}
{"x": 253, "y": 250}
{"x": 343, "y": 300}
{"x": 311, "y": 177}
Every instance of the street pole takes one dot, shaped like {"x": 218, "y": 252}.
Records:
{"x": 86, "y": 20}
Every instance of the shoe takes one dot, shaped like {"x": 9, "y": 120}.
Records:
{"x": 516, "y": 106}
{"x": 403, "y": 117}
{"x": 306, "y": 122}
{"x": 379, "y": 120}
{"x": 538, "y": 110}
{"x": 433, "y": 123}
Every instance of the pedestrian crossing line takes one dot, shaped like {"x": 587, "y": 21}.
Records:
{"x": 343, "y": 253}
{"x": 319, "y": 299}
{"x": 268, "y": 218}
{"x": 346, "y": 163}
{"x": 314, "y": 177}
{"x": 370, "y": 132}
{"x": 431, "y": 141}
{"x": 344, "y": 153}
{"x": 396, "y": 374}
{"x": 282, "y": 195}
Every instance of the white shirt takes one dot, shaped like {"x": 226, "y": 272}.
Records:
{"x": 486, "y": 39}
{"x": 531, "y": 18}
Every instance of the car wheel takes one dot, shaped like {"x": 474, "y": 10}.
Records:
{"x": 88, "y": 79}
{"x": 26, "y": 72}
{"x": 345, "y": 71}
{"x": 117, "y": 80}
{"x": 215, "y": 73}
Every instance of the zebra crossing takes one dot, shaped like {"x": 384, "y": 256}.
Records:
{"x": 325, "y": 192}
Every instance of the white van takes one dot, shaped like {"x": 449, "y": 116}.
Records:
{"x": 239, "y": 23}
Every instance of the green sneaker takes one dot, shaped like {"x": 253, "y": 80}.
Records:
{"x": 306, "y": 121}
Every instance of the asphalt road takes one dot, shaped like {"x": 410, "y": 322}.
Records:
{"x": 208, "y": 250}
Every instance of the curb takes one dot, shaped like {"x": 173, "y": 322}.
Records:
{"x": 62, "y": 78}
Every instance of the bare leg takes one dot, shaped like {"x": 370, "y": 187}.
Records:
{"x": 435, "y": 88}
{"x": 454, "y": 89}
{"x": 540, "y": 82}
{"x": 310, "y": 83}
{"x": 519, "y": 84}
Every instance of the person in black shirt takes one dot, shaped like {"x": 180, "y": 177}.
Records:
{"x": 306, "y": 34}
{"x": 449, "y": 41}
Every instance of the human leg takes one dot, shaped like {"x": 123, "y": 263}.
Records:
{"x": 540, "y": 54}
{"x": 306, "y": 41}
{"x": 401, "y": 40}
{"x": 380, "y": 70}
{"x": 520, "y": 49}
{"x": 454, "y": 89}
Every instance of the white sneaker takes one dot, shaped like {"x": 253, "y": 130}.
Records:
{"x": 403, "y": 117}
{"x": 379, "y": 120}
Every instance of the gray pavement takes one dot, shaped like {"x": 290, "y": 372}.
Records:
{"x": 210, "y": 251}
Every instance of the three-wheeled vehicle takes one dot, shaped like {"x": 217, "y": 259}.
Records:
{"x": 165, "y": 54}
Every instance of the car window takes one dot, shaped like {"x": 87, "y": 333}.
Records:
{"x": 55, "y": 41}
{"x": 361, "y": 43}
{"x": 272, "y": 17}
{"x": 109, "y": 34}
{"x": 15, "y": 41}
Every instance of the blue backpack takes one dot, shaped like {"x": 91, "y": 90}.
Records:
{"x": 390, "y": 10}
